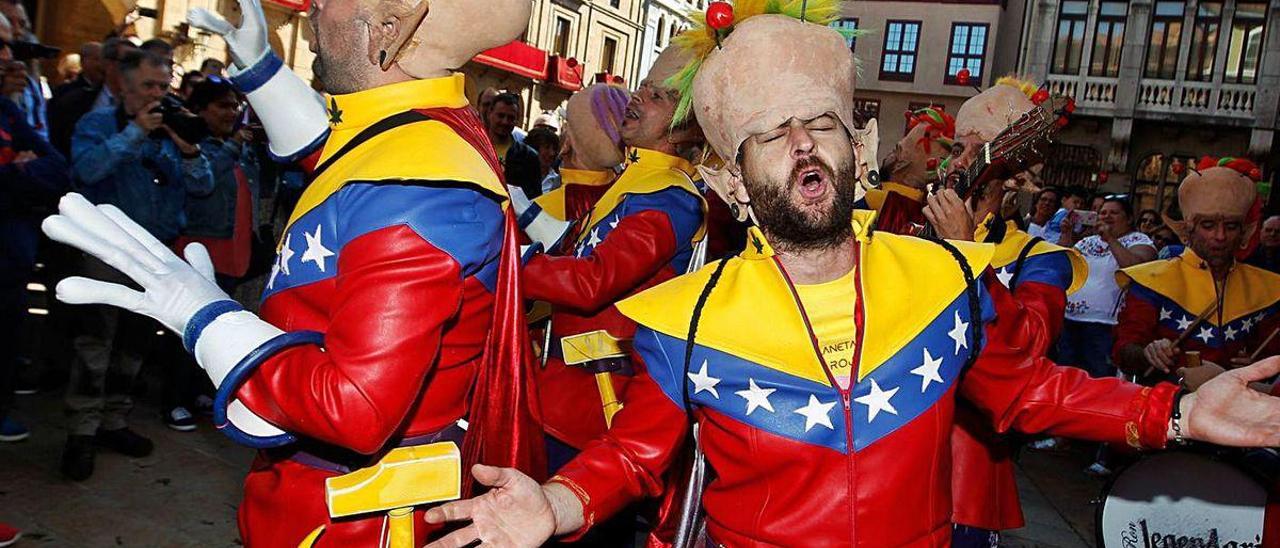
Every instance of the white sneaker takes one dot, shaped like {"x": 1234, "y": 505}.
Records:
{"x": 180, "y": 419}
{"x": 1098, "y": 470}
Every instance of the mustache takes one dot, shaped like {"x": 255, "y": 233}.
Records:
{"x": 807, "y": 163}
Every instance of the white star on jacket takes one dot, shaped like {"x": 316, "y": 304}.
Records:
{"x": 1247, "y": 324}
{"x": 614, "y": 223}
{"x": 756, "y": 397}
{"x": 1165, "y": 314}
{"x": 702, "y": 382}
{"x": 959, "y": 334}
{"x": 877, "y": 400}
{"x": 286, "y": 253}
{"x": 1230, "y": 333}
{"x": 316, "y": 251}
{"x": 1005, "y": 276}
{"x": 928, "y": 371}
{"x": 595, "y": 237}
{"x": 1184, "y": 323}
{"x": 1205, "y": 334}
{"x": 816, "y": 413}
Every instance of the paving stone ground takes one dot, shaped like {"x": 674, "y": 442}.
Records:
{"x": 185, "y": 494}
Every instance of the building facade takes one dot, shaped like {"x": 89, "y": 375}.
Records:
{"x": 1159, "y": 83}
{"x": 664, "y": 19}
{"x": 909, "y": 53}
{"x": 568, "y": 44}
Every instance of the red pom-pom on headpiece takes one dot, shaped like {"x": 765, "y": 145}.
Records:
{"x": 1040, "y": 96}
{"x": 962, "y": 76}
{"x": 719, "y": 15}
{"x": 1244, "y": 166}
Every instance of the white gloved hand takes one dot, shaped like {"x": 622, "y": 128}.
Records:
{"x": 173, "y": 289}
{"x": 248, "y": 43}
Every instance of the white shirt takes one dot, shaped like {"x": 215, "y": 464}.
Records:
{"x": 1098, "y": 301}
{"x": 1036, "y": 230}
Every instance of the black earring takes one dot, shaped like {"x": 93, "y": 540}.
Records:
{"x": 733, "y": 208}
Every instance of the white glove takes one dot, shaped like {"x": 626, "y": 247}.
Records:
{"x": 248, "y": 44}
{"x": 173, "y": 289}
{"x": 541, "y": 227}
{"x": 292, "y": 113}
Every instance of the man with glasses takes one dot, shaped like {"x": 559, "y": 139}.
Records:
{"x": 1148, "y": 222}
{"x": 127, "y": 157}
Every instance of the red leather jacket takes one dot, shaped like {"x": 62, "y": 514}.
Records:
{"x": 639, "y": 234}
{"x": 798, "y": 461}
{"x": 1164, "y": 298}
{"x": 397, "y": 263}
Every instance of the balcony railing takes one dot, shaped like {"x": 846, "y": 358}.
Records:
{"x": 1096, "y": 96}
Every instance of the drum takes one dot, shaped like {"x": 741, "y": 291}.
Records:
{"x": 1182, "y": 498}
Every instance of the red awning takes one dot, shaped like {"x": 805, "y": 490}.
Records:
{"x": 565, "y": 73}
{"x": 517, "y": 58}
{"x": 298, "y": 5}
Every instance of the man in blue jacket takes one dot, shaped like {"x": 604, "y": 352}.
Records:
{"x": 127, "y": 157}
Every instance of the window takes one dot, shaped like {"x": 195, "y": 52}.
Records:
{"x": 849, "y": 24}
{"x": 1245, "y": 46}
{"x": 662, "y": 30}
{"x": 1069, "y": 42}
{"x": 1204, "y": 41}
{"x": 866, "y": 108}
{"x": 1108, "y": 39}
{"x": 968, "y": 49}
{"x": 560, "y": 46}
{"x": 1166, "y": 36}
{"x": 615, "y": 3}
{"x": 900, "y": 43}
{"x": 608, "y": 54}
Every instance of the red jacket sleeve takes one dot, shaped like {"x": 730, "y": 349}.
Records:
{"x": 642, "y": 244}
{"x": 393, "y": 295}
{"x": 1021, "y": 390}
{"x": 1045, "y": 303}
{"x": 629, "y": 462}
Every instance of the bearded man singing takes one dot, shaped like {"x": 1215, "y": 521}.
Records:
{"x": 823, "y": 364}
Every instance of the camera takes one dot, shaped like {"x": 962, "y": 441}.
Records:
{"x": 188, "y": 126}
{"x": 24, "y": 50}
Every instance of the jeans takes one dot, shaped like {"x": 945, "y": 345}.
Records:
{"x": 1087, "y": 345}
{"x": 109, "y": 349}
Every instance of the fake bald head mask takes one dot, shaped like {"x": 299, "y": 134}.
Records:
{"x": 361, "y": 44}
{"x": 1218, "y": 202}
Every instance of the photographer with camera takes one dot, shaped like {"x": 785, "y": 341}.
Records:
{"x": 27, "y": 49}
{"x": 139, "y": 157}
{"x": 222, "y": 221}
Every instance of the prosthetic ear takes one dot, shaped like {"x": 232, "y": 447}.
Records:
{"x": 866, "y": 143}
{"x": 728, "y": 185}
{"x": 1250, "y": 228}
{"x": 1181, "y": 228}
{"x": 392, "y": 28}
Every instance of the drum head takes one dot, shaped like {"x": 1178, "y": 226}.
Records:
{"x": 1179, "y": 499}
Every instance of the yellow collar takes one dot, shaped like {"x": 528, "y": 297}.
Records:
{"x": 657, "y": 160}
{"x": 758, "y": 247}
{"x": 983, "y": 228}
{"x": 585, "y": 177}
{"x": 363, "y": 108}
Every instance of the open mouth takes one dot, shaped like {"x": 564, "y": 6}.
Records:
{"x": 812, "y": 183}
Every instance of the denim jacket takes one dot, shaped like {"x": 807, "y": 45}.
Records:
{"x": 214, "y": 215}
{"x": 116, "y": 163}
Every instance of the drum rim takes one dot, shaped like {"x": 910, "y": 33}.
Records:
{"x": 1214, "y": 452}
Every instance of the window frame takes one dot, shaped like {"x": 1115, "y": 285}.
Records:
{"x": 1204, "y": 57}
{"x": 950, "y": 79}
{"x": 885, "y": 52}
{"x": 1114, "y": 44}
{"x": 1080, "y": 20}
{"x": 851, "y": 41}
{"x": 1261, "y": 23}
{"x": 608, "y": 62}
{"x": 1168, "y": 21}
{"x": 558, "y": 47}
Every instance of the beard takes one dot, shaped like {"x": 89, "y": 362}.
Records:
{"x": 792, "y": 228}
{"x": 337, "y": 68}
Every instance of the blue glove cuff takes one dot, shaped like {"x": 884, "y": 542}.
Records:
{"x": 202, "y": 319}
{"x": 240, "y": 373}
{"x": 257, "y": 75}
